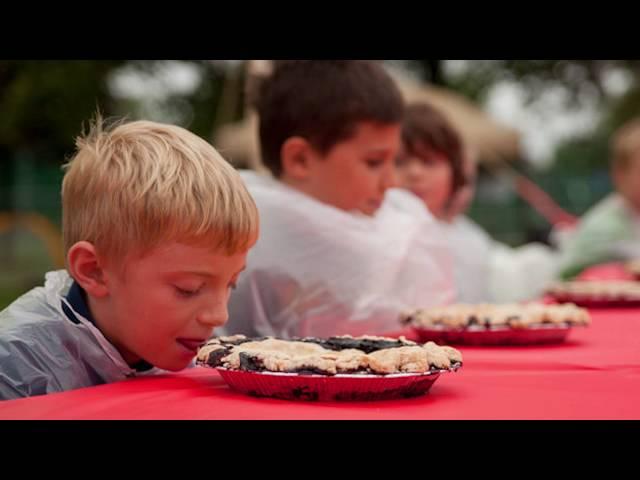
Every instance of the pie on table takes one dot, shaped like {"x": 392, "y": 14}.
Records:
{"x": 367, "y": 355}
{"x": 492, "y": 316}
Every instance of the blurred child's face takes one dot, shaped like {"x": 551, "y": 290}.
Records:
{"x": 167, "y": 303}
{"x": 428, "y": 176}
{"x": 355, "y": 173}
{"x": 627, "y": 181}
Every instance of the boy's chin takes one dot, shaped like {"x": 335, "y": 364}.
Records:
{"x": 367, "y": 213}
{"x": 370, "y": 209}
{"x": 174, "y": 365}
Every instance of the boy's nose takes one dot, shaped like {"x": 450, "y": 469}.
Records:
{"x": 414, "y": 169}
{"x": 214, "y": 315}
{"x": 389, "y": 179}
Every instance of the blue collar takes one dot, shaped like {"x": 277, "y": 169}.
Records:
{"x": 77, "y": 298}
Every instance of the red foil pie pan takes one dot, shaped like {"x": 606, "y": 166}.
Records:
{"x": 594, "y": 301}
{"x": 539, "y": 335}
{"x": 341, "y": 387}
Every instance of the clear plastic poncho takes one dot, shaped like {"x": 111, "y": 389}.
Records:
{"x": 489, "y": 271}
{"x": 319, "y": 271}
{"x": 470, "y": 247}
{"x": 42, "y": 351}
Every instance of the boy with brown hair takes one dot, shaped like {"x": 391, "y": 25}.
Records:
{"x": 340, "y": 251}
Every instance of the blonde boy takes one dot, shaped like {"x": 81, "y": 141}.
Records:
{"x": 610, "y": 231}
{"x": 156, "y": 228}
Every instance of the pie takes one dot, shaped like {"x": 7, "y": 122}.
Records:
{"x": 492, "y": 316}
{"x": 366, "y": 355}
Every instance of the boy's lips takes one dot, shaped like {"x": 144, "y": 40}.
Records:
{"x": 192, "y": 344}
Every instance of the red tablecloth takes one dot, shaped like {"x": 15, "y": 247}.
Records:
{"x": 594, "y": 375}
{"x": 606, "y": 271}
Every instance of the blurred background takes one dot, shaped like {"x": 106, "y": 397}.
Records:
{"x": 540, "y": 129}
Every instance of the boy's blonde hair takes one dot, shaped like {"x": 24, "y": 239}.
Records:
{"x": 133, "y": 186}
{"x": 626, "y": 144}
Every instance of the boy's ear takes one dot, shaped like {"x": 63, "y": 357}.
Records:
{"x": 295, "y": 155}
{"x": 86, "y": 268}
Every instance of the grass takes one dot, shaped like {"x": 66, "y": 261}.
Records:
{"x": 24, "y": 268}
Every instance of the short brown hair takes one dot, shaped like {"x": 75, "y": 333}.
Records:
{"x": 426, "y": 127}
{"x": 322, "y": 101}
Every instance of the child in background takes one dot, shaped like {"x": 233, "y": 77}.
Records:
{"x": 436, "y": 166}
{"x": 610, "y": 230}
{"x": 340, "y": 250}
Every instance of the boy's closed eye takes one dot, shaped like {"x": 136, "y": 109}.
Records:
{"x": 184, "y": 291}
{"x": 187, "y": 288}
{"x": 374, "y": 162}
